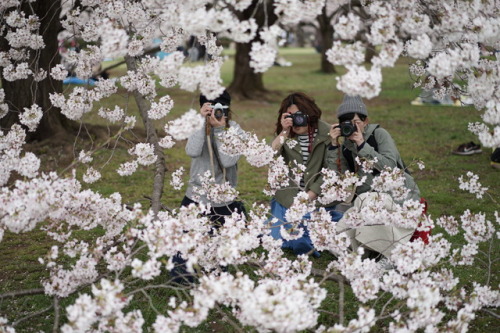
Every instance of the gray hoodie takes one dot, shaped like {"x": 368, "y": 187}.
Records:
{"x": 197, "y": 149}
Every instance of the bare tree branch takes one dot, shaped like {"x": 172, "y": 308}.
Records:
{"x": 27, "y": 292}
{"x": 55, "y": 327}
{"x": 31, "y": 315}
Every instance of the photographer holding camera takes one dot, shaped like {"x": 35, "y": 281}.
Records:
{"x": 365, "y": 141}
{"x": 203, "y": 148}
{"x": 301, "y": 138}
{"x": 369, "y": 141}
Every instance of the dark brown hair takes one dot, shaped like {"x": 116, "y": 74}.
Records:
{"x": 229, "y": 116}
{"x": 305, "y": 104}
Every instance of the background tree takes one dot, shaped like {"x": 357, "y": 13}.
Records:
{"x": 325, "y": 38}
{"x": 24, "y": 93}
{"x": 247, "y": 84}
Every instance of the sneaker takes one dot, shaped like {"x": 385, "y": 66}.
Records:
{"x": 385, "y": 264}
{"x": 417, "y": 101}
{"x": 468, "y": 148}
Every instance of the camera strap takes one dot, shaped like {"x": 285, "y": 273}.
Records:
{"x": 310, "y": 132}
{"x": 350, "y": 160}
{"x": 208, "y": 133}
{"x": 217, "y": 159}
{"x": 213, "y": 152}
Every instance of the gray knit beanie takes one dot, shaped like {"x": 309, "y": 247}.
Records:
{"x": 352, "y": 104}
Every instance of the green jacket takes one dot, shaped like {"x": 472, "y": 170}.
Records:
{"x": 387, "y": 154}
{"x": 316, "y": 161}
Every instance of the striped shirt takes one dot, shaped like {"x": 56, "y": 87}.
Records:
{"x": 304, "y": 148}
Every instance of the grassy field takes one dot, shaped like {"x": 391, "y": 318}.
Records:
{"x": 427, "y": 133}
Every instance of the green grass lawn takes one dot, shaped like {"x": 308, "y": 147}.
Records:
{"x": 427, "y": 133}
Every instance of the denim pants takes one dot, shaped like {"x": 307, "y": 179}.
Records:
{"x": 304, "y": 244}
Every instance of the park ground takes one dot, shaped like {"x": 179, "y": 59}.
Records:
{"x": 426, "y": 133}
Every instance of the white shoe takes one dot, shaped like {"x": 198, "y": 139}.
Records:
{"x": 386, "y": 265}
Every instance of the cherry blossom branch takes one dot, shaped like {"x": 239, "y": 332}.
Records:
{"x": 229, "y": 319}
{"x": 28, "y": 292}
{"x": 55, "y": 327}
{"x": 491, "y": 313}
{"x": 386, "y": 305}
{"x": 32, "y": 315}
{"x": 150, "y": 301}
{"x": 329, "y": 276}
{"x": 162, "y": 206}
{"x": 341, "y": 302}
{"x": 490, "y": 262}
{"x": 118, "y": 64}
{"x": 102, "y": 145}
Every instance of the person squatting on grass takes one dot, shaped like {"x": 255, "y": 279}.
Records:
{"x": 203, "y": 146}
{"x": 372, "y": 144}
{"x": 302, "y": 139}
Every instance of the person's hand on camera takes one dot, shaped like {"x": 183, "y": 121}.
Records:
{"x": 312, "y": 195}
{"x": 334, "y": 134}
{"x": 214, "y": 122}
{"x": 357, "y": 137}
{"x": 286, "y": 123}
{"x": 206, "y": 109}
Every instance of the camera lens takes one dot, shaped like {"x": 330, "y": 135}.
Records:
{"x": 347, "y": 128}
{"x": 218, "y": 113}
{"x": 299, "y": 120}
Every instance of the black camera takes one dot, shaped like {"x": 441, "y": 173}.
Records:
{"x": 220, "y": 111}
{"x": 347, "y": 128}
{"x": 299, "y": 119}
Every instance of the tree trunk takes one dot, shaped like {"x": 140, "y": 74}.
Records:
{"x": 246, "y": 84}
{"x": 152, "y": 138}
{"x": 300, "y": 36}
{"x": 22, "y": 94}
{"x": 326, "y": 40}
{"x": 369, "y": 53}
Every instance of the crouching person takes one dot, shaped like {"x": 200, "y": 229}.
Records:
{"x": 203, "y": 146}
{"x": 353, "y": 140}
{"x": 302, "y": 139}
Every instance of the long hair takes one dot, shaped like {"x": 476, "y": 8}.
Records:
{"x": 229, "y": 116}
{"x": 305, "y": 104}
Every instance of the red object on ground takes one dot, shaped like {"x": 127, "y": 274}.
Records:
{"x": 423, "y": 235}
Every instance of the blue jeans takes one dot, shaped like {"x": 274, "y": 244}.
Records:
{"x": 304, "y": 244}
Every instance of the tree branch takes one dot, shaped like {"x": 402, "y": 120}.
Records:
{"x": 152, "y": 138}
{"x": 491, "y": 313}
{"x": 341, "y": 302}
{"x": 31, "y": 315}
{"x": 118, "y": 64}
{"x": 55, "y": 327}
{"x": 27, "y": 292}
